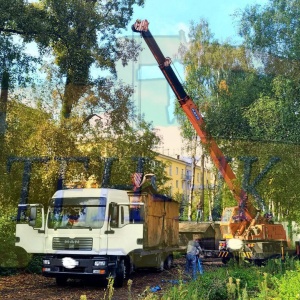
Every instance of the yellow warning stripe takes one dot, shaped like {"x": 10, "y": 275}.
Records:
{"x": 247, "y": 254}
{"x": 223, "y": 254}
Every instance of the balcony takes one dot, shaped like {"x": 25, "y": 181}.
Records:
{"x": 186, "y": 177}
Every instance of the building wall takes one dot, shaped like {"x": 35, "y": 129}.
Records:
{"x": 179, "y": 170}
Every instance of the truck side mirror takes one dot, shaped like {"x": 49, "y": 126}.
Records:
{"x": 32, "y": 216}
{"x": 113, "y": 215}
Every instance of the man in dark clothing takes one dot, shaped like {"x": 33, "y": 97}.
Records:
{"x": 192, "y": 253}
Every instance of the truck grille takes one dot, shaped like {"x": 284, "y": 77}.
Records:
{"x": 65, "y": 243}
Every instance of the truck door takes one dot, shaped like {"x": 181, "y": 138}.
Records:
{"x": 30, "y": 228}
{"x": 125, "y": 228}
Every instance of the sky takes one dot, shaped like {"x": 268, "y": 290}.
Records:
{"x": 169, "y": 24}
{"x": 166, "y": 18}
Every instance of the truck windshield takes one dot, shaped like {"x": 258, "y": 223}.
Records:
{"x": 76, "y": 213}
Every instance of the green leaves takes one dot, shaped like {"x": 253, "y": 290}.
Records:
{"x": 248, "y": 96}
{"x": 78, "y": 34}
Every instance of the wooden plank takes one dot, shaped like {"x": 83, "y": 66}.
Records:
{"x": 161, "y": 222}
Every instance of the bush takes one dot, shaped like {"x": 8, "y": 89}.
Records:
{"x": 35, "y": 264}
{"x": 288, "y": 285}
{"x": 281, "y": 286}
{"x": 233, "y": 281}
{"x": 12, "y": 258}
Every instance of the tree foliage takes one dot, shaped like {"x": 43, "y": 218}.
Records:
{"x": 16, "y": 66}
{"x": 84, "y": 33}
{"x": 212, "y": 72}
{"x": 272, "y": 34}
{"x": 248, "y": 97}
{"x": 95, "y": 142}
{"x": 79, "y": 35}
{"x": 99, "y": 117}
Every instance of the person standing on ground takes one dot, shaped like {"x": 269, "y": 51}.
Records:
{"x": 192, "y": 252}
{"x": 199, "y": 212}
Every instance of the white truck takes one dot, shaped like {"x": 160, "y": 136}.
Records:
{"x": 100, "y": 232}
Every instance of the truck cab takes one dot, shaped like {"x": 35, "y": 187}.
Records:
{"x": 81, "y": 222}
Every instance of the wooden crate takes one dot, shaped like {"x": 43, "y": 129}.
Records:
{"x": 161, "y": 215}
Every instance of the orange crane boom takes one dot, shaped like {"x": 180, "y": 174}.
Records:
{"x": 196, "y": 120}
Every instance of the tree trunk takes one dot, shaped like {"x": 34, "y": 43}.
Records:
{"x": 73, "y": 91}
{"x": 191, "y": 194}
{"x": 202, "y": 186}
{"x": 3, "y": 102}
{"x": 67, "y": 101}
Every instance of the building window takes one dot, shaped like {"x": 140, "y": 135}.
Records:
{"x": 176, "y": 170}
{"x": 188, "y": 175}
{"x": 170, "y": 170}
{"x": 177, "y": 184}
{"x": 171, "y": 188}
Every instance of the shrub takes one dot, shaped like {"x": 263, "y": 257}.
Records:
{"x": 12, "y": 258}
{"x": 288, "y": 285}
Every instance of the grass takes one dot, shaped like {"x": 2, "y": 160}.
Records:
{"x": 278, "y": 280}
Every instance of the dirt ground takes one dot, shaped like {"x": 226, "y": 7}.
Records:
{"x": 33, "y": 286}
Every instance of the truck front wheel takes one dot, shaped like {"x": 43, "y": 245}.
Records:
{"x": 120, "y": 274}
{"x": 61, "y": 281}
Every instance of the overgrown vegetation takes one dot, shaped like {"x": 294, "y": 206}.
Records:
{"x": 278, "y": 280}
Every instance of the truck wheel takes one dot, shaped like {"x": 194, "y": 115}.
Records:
{"x": 259, "y": 262}
{"x": 225, "y": 260}
{"x": 61, "y": 281}
{"x": 160, "y": 264}
{"x": 168, "y": 262}
{"x": 120, "y": 274}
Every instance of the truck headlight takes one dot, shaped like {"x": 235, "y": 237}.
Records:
{"x": 99, "y": 263}
{"x": 46, "y": 261}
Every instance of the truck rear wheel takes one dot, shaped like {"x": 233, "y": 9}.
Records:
{"x": 168, "y": 262}
{"x": 161, "y": 266}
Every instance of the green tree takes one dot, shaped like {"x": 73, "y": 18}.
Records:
{"x": 85, "y": 33}
{"x": 79, "y": 34}
{"x": 49, "y": 140}
{"x": 246, "y": 110}
{"x": 16, "y": 65}
{"x": 271, "y": 32}
{"x": 211, "y": 71}
{"x": 15, "y": 69}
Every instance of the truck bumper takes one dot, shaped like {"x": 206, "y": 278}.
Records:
{"x": 79, "y": 266}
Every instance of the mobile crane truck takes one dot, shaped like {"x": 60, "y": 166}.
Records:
{"x": 100, "y": 232}
{"x": 244, "y": 231}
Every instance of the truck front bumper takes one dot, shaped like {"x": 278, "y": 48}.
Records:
{"x": 78, "y": 266}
